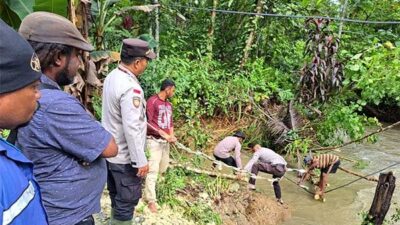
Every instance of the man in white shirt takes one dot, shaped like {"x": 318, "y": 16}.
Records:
{"x": 266, "y": 160}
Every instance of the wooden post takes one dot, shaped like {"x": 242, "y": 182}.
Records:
{"x": 382, "y": 199}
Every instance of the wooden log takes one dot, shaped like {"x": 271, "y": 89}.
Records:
{"x": 382, "y": 199}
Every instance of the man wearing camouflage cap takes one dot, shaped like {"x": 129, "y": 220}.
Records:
{"x": 124, "y": 115}
{"x": 20, "y": 197}
{"x": 66, "y": 144}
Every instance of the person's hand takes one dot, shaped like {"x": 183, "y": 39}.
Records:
{"x": 142, "y": 171}
{"x": 171, "y": 139}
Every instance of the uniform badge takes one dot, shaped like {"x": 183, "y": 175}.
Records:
{"x": 35, "y": 63}
{"x": 136, "y": 101}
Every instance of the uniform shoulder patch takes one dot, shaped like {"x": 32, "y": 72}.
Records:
{"x": 136, "y": 101}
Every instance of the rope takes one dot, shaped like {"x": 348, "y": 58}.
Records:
{"x": 302, "y": 187}
{"x": 347, "y": 184}
{"x": 219, "y": 163}
{"x": 344, "y": 185}
{"x": 286, "y": 16}
{"x": 201, "y": 154}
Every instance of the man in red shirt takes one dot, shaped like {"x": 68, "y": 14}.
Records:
{"x": 160, "y": 132}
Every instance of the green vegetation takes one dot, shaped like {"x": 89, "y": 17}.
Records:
{"x": 361, "y": 164}
{"x": 203, "y": 188}
{"x": 235, "y": 66}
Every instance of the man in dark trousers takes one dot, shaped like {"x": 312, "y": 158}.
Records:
{"x": 66, "y": 144}
{"x": 124, "y": 115}
{"x": 160, "y": 132}
{"x": 20, "y": 197}
{"x": 222, "y": 151}
{"x": 268, "y": 161}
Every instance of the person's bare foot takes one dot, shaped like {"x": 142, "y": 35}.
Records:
{"x": 152, "y": 207}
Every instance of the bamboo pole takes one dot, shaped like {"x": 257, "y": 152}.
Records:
{"x": 209, "y": 173}
{"x": 359, "y": 175}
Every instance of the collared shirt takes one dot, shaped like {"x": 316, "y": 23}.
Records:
{"x": 159, "y": 115}
{"x": 124, "y": 116}
{"x": 20, "y": 200}
{"x": 59, "y": 137}
{"x": 228, "y": 144}
{"x": 265, "y": 155}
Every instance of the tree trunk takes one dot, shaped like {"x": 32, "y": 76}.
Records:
{"x": 211, "y": 30}
{"x": 250, "y": 39}
{"x": 157, "y": 27}
{"x": 382, "y": 199}
{"x": 343, "y": 15}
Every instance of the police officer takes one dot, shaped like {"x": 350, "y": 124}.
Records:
{"x": 20, "y": 198}
{"x": 124, "y": 115}
{"x": 66, "y": 144}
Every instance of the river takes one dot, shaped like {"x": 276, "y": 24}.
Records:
{"x": 342, "y": 206}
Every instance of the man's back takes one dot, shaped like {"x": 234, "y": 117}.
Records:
{"x": 58, "y": 140}
{"x": 269, "y": 156}
{"x": 225, "y": 146}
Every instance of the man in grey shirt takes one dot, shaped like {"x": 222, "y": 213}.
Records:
{"x": 266, "y": 160}
{"x": 222, "y": 151}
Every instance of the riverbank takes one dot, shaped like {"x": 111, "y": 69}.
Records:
{"x": 237, "y": 206}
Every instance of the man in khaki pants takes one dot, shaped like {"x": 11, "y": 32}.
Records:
{"x": 160, "y": 132}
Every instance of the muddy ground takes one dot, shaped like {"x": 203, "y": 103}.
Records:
{"x": 237, "y": 207}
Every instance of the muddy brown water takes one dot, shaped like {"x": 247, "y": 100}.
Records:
{"x": 344, "y": 205}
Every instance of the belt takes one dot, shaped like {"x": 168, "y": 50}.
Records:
{"x": 160, "y": 140}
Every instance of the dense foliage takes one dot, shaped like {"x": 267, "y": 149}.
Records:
{"x": 202, "y": 52}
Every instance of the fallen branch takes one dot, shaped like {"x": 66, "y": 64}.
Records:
{"x": 360, "y": 139}
{"x": 359, "y": 175}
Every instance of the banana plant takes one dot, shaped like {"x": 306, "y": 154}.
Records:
{"x": 101, "y": 11}
{"x": 14, "y": 11}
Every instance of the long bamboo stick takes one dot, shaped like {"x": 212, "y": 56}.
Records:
{"x": 359, "y": 175}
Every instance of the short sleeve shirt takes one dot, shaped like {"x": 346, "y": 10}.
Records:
{"x": 159, "y": 115}
{"x": 124, "y": 116}
{"x": 59, "y": 137}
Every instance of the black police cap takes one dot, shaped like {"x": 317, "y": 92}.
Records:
{"x": 19, "y": 65}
